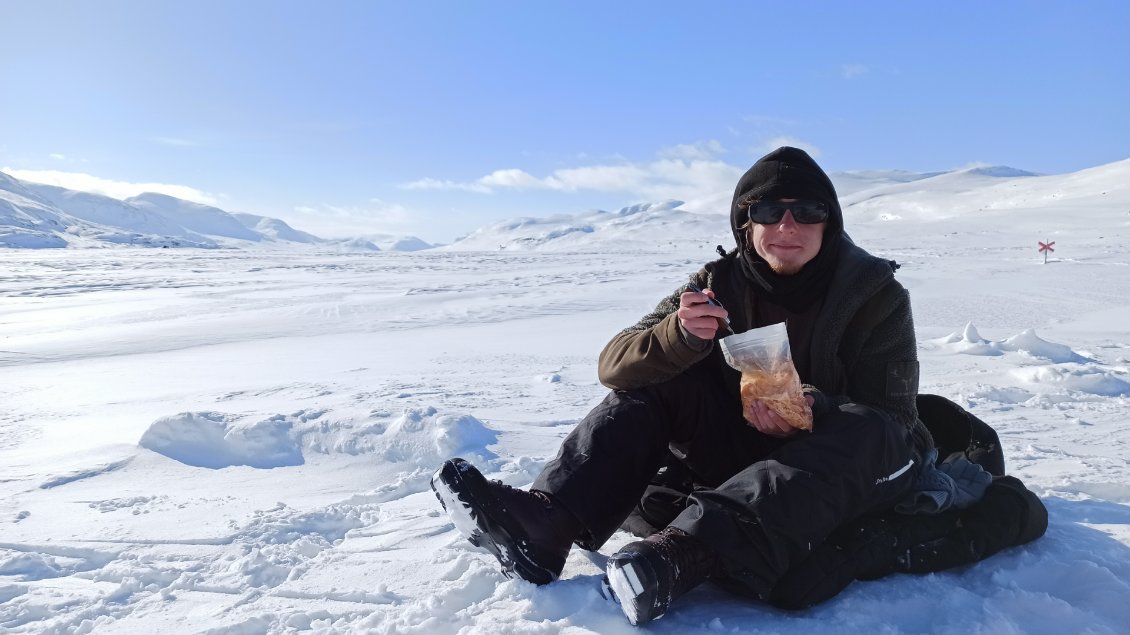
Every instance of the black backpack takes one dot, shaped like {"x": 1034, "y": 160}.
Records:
{"x": 956, "y": 431}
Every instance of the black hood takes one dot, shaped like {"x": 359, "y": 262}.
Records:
{"x": 788, "y": 173}
{"x": 785, "y": 173}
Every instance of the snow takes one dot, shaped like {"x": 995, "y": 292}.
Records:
{"x": 240, "y": 440}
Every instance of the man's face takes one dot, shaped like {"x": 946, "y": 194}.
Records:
{"x": 787, "y": 245}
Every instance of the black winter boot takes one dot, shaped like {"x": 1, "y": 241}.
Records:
{"x": 646, "y": 576}
{"x": 526, "y": 531}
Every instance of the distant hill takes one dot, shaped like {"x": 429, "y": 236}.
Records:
{"x": 989, "y": 190}
{"x": 43, "y": 216}
{"x": 639, "y": 227}
{"x": 871, "y": 196}
{"x": 39, "y": 216}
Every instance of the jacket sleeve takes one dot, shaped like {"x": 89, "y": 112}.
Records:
{"x": 885, "y": 373}
{"x": 653, "y": 350}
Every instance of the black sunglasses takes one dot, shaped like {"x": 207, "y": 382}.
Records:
{"x": 804, "y": 212}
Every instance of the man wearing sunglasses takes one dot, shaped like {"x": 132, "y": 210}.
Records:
{"x": 669, "y": 453}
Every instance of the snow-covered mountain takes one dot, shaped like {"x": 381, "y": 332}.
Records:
{"x": 26, "y": 220}
{"x": 33, "y": 215}
{"x": 196, "y": 217}
{"x": 854, "y": 181}
{"x": 119, "y": 221}
{"x": 988, "y": 190}
{"x": 875, "y": 196}
{"x": 37, "y": 216}
{"x": 275, "y": 228}
{"x": 391, "y": 242}
{"x": 643, "y": 226}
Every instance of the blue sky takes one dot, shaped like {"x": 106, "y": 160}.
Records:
{"x": 435, "y": 118}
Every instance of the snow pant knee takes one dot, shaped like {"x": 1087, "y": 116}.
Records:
{"x": 607, "y": 462}
{"x": 771, "y": 514}
{"x": 1008, "y": 515}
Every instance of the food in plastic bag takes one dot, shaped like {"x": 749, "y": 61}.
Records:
{"x": 768, "y": 373}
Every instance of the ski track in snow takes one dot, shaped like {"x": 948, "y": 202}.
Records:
{"x": 237, "y": 442}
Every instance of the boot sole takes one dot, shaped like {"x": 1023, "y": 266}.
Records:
{"x": 462, "y": 491}
{"x": 633, "y": 585}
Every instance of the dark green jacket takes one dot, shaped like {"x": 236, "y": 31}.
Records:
{"x": 863, "y": 348}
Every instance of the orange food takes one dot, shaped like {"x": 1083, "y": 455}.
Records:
{"x": 780, "y": 390}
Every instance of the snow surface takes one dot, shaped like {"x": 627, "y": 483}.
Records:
{"x": 240, "y": 440}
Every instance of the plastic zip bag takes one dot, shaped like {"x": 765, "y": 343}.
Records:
{"x": 768, "y": 375}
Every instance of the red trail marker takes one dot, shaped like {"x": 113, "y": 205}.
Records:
{"x": 1045, "y": 248}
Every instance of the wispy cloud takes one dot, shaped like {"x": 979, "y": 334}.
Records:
{"x": 57, "y": 156}
{"x": 851, "y": 71}
{"x": 175, "y": 141}
{"x": 438, "y": 184}
{"x": 107, "y": 187}
{"x": 374, "y": 216}
{"x": 703, "y": 150}
{"x": 688, "y": 172}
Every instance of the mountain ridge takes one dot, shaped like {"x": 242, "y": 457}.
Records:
{"x": 41, "y": 216}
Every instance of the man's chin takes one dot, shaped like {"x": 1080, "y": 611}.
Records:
{"x": 785, "y": 268}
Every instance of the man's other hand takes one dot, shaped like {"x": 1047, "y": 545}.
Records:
{"x": 762, "y": 417}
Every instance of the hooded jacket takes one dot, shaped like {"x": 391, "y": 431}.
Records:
{"x": 862, "y": 348}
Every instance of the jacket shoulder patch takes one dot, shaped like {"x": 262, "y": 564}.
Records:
{"x": 902, "y": 380}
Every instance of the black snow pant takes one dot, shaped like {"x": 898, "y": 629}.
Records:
{"x": 762, "y": 503}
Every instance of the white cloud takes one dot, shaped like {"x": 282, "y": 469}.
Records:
{"x": 784, "y": 140}
{"x": 851, "y": 71}
{"x": 687, "y": 172}
{"x": 703, "y": 150}
{"x": 437, "y": 184}
{"x": 517, "y": 179}
{"x": 57, "y": 156}
{"x": 107, "y": 187}
{"x": 602, "y": 178}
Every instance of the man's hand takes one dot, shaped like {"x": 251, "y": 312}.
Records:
{"x": 698, "y": 317}
{"x": 766, "y": 421}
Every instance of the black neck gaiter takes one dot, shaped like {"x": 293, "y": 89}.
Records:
{"x": 800, "y": 290}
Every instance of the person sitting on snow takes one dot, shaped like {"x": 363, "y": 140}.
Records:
{"x": 764, "y": 509}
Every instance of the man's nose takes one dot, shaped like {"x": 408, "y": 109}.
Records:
{"x": 787, "y": 221}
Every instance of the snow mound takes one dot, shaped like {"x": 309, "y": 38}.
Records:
{"x": 424, "y": 438}
{"x": 420, "y": 438}
{"x": 1086, "y": 379}
{"x": 28, "y": 566}
{"x": 411, "y": 447}
{"x": 970, "y": 342}
{"x": 1028, "y": 342}
{"x": 215, "y": 440}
